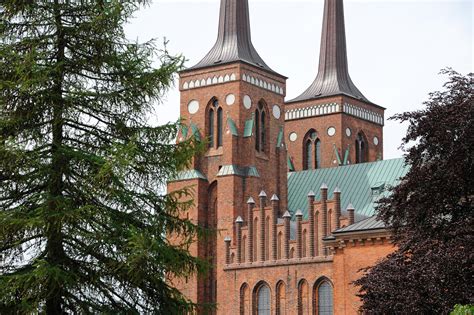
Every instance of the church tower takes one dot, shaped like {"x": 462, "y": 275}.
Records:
{"x": 232, "y": 100}
{"x": 332, "y": 123}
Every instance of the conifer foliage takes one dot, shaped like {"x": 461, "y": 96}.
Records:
{"x": 82, "y": 219}
{"x": 431, "y": 211}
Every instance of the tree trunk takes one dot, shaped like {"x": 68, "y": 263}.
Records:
{"x": 54, "y": 246}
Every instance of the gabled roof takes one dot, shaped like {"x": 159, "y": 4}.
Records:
{"x": 333, "y": 72}
{"x": 360, "y": 184}
{"x": 234, "y": 41}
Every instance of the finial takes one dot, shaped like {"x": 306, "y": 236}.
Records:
{"x": 350, "y": 207}
{"x": 311, "y": 194}
{"x": 287, "y": 214}
{"x": 251, "y": 201}
{"x": 324, "y": 186}
{"x": 227, "y": 239}
{"x": 262, "y": 194}
{"x": 239, "y": 220}
{"x": 299, "y": 213}
{"x": 337, "y": 190}
{"x": 275, "y": 198}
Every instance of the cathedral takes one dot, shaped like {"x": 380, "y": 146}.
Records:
{"x": 290, "y": 186}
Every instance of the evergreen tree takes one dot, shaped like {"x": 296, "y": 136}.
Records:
{"x": 431, "y": 212}
{"x": 83, "y": 222}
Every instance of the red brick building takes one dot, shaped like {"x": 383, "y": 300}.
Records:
{"x": 289, "y": 186}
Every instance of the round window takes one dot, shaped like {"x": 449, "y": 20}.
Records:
{"x": 230, "y": 99}
{"x": 247, "y": 102}
{"x": 193, "y": 107}
{"x": 293, "y": 136}
{"x": 276, "y": 111}
{"x": 331, "y": 131}
{"x": 348, "y": 132}
{"x": 376, "y": 141}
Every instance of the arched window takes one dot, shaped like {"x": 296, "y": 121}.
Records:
{"x": 219, "y": 127}
{"x": 280, "y": 305}
{"x": 303, "y": 306}
{"x": 211, "y": 128}
{"x": 215, "y": 124}
{"x": 263, "y": 300}
{"x": 323, "y": 298}
{"x": 361, "y": 148}
{"x": 260, "y": 128}
{"x": 309, "y": 155}
{"x": 244, "y": 299}
{"x": 312, "y": 150}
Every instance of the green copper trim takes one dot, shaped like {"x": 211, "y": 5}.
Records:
{"x": 188, "y": 175}
{"x": 232, "y": 127}
{"x": 250, "y": 171}
{"x": 248, "y": 130}
{"x": 280, "y": 138}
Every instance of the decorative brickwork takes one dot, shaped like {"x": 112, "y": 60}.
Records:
{"x": 265, "y": 257}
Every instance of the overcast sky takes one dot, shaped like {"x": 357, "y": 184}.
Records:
{"x": 395, "y": 48}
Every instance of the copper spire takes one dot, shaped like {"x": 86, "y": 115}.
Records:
{"x": 333, "y": 73}
{"x": 234, "y": 40}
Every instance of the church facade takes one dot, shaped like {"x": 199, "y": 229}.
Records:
{"x": 289, "y": 186}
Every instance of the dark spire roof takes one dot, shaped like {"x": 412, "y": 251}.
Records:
{"x": 333, "y": 74}
{"x": 234, "y": 40}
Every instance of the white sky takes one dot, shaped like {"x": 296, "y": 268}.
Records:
{"x": 395, "y": 48}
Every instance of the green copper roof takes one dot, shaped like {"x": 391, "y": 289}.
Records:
{"x": 250, "y": 171}
{"x": 248, "y": 128}
{"x": 232, "y": 127}
{"x": 360, "y": 184}
{"x": 188, "y": 174}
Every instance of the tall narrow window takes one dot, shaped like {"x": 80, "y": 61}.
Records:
{"x": 219, "y": 127}
{"x": 215, "y": 124}
{"x": 309, "y": 155}
{"x": 263, "y": 300}
{"x": 260, "y": 128}
{"x": 311, "y": 150}
{"x": 325, "y": 299}
{"x": 257, "y": 130}
{"x": 361, "y": 149}
{"x": 318, "y": 153}
{"x": 211, "y": 128}
{"x": 262, "y": 131}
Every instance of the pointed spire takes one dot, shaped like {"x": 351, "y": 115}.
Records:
{"x": 234, "y": 41}
{"x": 333, "y": 73}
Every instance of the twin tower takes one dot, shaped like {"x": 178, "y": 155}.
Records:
{"x": 236, "y": 102}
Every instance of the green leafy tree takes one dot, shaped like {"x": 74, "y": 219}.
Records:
{"x": 83, "y": 218}
{"x": 430, "y": 212}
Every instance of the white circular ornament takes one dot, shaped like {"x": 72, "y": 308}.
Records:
{"x": 230, "y": 99}
{"x": 293, "y": 136}
{"x": 247, "y": 102}
{"x": 193, "y": 107}
{"x": 376, "y": 141}
{"x": 331, "y": 131}
{"x": 348, "y": 132}
{"x": 276, "y": 111}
